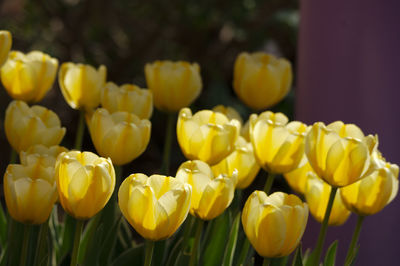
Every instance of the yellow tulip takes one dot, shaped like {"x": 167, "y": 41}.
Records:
{"x": 274, "y": 224}
{"x": 317, "y": 196}
{"x": 5, "y": 45}
{"x": 85, "y": 183}
{"x": 206, "y": 135}
{"x": 245, "y": 131}
{"x": 155, "y": 206}
{"x": 297, "y": 178}
{"x": 122, "y": 136}
{"x": 46, "y": 156}
{"x": 174, "y": 84}
{"x": 339, "y": 153}
{"x": 27, "y": 126}
{"x": 211, "y": 194}
{"x": 30, "y": 192}
{"x": 127, "y": 98}
{"x": 372, "y": 193}
{"x": 278, "y": 146}
{"x": 28, "y": 77}
{"x": 261, "y": 80}
{"x": 229, "y": 112}
{"x": 241, "y": 160}
{"x": 81, "y": 85}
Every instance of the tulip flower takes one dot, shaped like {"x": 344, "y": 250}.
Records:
{"x": 27, "y": 126}
{"x": 174, "y": 84}
{"x": 5, "y": 45}
{"x": 122, "y": 136}
{"x": 81, "y": 85}
{"x": 46, "y": 156}
{"x": 85, "y": 183}
{"x": 229, "y": 112}
{"x": 317, "y": 195}
{"x": 127, "y": 98}
{"x": 274, "y": 224}
{"x": 298, "y": 178}
{"x": 261, "y": 80}
{"x": 30, "y": 192}
{"x": 206, "y": 135}
{"x": 28, "y": 77}
{"x": 155, "y": 206}
{"x": 211, "y": 194}
{"x": 241, "y": 160}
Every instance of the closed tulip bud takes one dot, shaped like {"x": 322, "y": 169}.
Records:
{"x": 46, "y": 156}
{"x": 241, "y": 160}
{"x": 261, "y": 80}
{"x": 30, "y": 192}
{"x": 206, "y": 135}
{"x": 211, "y": 195}
{"x": 127, "y": 98}
{"x": 155, "y": 206}
{"x": 339, "y": 153}
{"x": 28, "y": 77}
{"x": 122, "y": 136}
{"x": 298, "y": 178}
{"x": 317, "y": 196}
{"x": 5, "y": 45}
{"x": 372, "y": 193}
{"x": 229, "y": 112}
{"x": 278, "y": 146}
{"x": 85, "y": 183}
{"x": 174, "y": 84}
{"x": 27, "y": 126}
{"x": 274, "y": 224}
{"x": 81, "y": 85}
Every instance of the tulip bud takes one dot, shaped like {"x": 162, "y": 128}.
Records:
{"x": 27, "y": 126}
{"x": 46, "y": 156}
{"x": 229, "y": 112}
{"x": 317, "y": 196}
{"x": 85, "y": 183}
{"x": 81, "y": 85}
{"x": 127, "y": 98}
{"x": 261, "y": 80}
{"x": 155, "y": 206}
{"x": 30, "y": 192}
{"x": 122, "y": 136}
{"x": 174, "y": 84}
{"x": 278, "y": 146}
{"x": 207, "y": 136}
{"x": 28, "y": 77}
{"x": 274, "y": 224}
{"x": 297, "y": 178}
{"x": 211, "y": 195}
{"x": 241, "y": 160}
{"x": 5, "y": 45}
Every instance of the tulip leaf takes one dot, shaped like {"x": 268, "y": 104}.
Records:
{"x": 353, "y": 257}
{"x": 297, "y": 259}
{"x": 109, "y": 243}
{"x": 3, "y": 227}
{"x": 15, "y": 236}
{"x": 231, "y": 245}
{"x": 3, "y": 257}
{"x": 175, "y": 252}
{"x": 67, "y": 237}
{"x": 331, "y": 254}
{"x": 279, "y": 261}
{"x": 91, "y": 256}
{"x": 131, "y": 257}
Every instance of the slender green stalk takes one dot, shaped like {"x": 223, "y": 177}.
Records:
{"x": 324, "y": 227}
{"x": 168, "y": 143}
{"x": 267, "y": 262}
{"x": 187, "y": 231}
{"x": 269, "y": 182}
{"x": 80, "y": 131}
{"x": 13, "y": 156}
{"x": 149, "y": 252}
{"x": 354, "y": 240}
{"x": 77, "y": 240}
{"x": 244, "y": 252}
{"x": 199, "y": 229}
{"x": 42, "y": 237}
{"x": 25, "y": 243}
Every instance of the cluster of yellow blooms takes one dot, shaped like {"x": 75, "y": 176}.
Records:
{"x": 223, "y": 154}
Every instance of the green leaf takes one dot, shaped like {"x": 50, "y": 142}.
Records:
{"x": 330, "y": 256}
{"x": 87, "y": 236}
{"x": 131, "y": 257}
{"x": 94, "y": 245}
{"x": 307, "y": 257}
{"x": 3, "y": 227}
{"x": 109, "y": 243}
{"x": 297, "y": 259}
{"x": 177, "y": 248}
{"x": 231, "y": 245}
{"x": 353, "y": 257}
{"x": 67, "y": 237}
{"x": 15, "y": 236}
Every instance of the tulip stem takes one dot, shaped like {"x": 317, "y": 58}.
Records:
{"x": 354, "y": 240}
{"x": 77, "y": 240}
{"x": 267, "y": 262}
{"x": 80, "y": 130}
{"x": 187, "y": 231}
{"x": 244, "y": 252}
{"x": 199, "y": 230}
{"x": 42, "y": 236}
{"x": 25, "y": 243}
{"x": 269, "y": 182}
{"x": 324, "y": 227}
{"x": 167, "y": 143}
{"x": 13, "y": 156}
{"x": 149, "y": 252}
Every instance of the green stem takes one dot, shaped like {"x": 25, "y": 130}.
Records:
{"x": 199, "y": 229}
{"x": 13, "y": 156}
{"x": 42, "y": 236}
{"x": 324, "y": 227}
{"x": 25, "y": 243}
{"x": 77, "y": 240}
{"x": 149, "y": 252}
{"x": 267, "y": 262}
{"x": 167, "y": 143}
{"x": 354, "y": 240}
{"x": 187, "y": 231}
{"x": 269, "y": 182}
{"x": 243, "y": 253}
{"x": 80, "y": 130}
